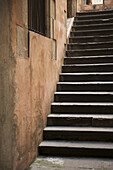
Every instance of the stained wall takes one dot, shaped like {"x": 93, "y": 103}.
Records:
{"x": 108, "y": 4}
{"x": 28, "y": 75}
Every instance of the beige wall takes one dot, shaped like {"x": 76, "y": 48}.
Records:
{"x": 27, "y": 83}
{"x": 108, "y": 4}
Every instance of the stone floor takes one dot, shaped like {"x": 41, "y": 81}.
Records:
{"x": 53, "y": 163}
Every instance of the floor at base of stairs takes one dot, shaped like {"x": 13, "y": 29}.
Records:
{"x": 56, "y": 163}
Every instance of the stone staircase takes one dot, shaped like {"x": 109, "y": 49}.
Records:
{"x": 81, "y": 119}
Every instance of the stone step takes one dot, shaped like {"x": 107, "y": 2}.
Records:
{"x": 89, "y": 45}
{"x": 94, "y": 12}
{"x": 91, "y": 17}
{"x": 89, "y": 52}
{"x": 84, "y": 86}
{"x": 88, "y": 59}
{"x": 83, "y": 96}
{"x": 82, "y": 149}
{"x": 62, "y": 133}
{"x": 75, "y": 68}
{"x": 87, "y": 39}
{"x": 82, "y": 107}
{"x": 92, "y": 26}
{"x": 94, "y": 21}
{"x": 81, "y": 120}
{"x": 86, "y": 77}
{"x": 91, "y": 32}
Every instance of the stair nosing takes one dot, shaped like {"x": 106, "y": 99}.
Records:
{"x": 104, "y": 24}
{"x": 91, "y": 43}
{"x": 83, "y": 83}
{"x": 78, "y": 129}
{"x": 79, "y": 92}
{"x": 101, "y": 145}
{"x": 85, "y": 57}
{"x": 98, "y": 49}
{"x": 94, "y": 116}
{"x": 83, "y": 103}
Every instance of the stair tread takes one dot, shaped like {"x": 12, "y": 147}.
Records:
{"x": 91, "y": 36}
{"x": 92, "y": 25}
{"x": 77, "y": 83}
{"x": 83, "y": 129}
{"x": 98, "y": 49}
{"x": 92, "y": 93}
{"x": 90, "y": 73}
{"x": 97, "y": 116}
{"x": 99, "y": 19}
{"x": 85, "y": 57}
{"x": 91, "y": 43}
{"x": 100, "y": 15}
{"x": 83, "y": 103}
{"x": 63, "y": 144}
{"x": 97, "y": 30}
{"x": 97, "y": 64}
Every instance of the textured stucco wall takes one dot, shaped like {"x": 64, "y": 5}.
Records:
{"x": 71, "y": 8}
{"x": 27, "y": 84}
{"x": 35, "y": 79}
{"x": 108, "y": 4}
{"x": 7, "y": 89}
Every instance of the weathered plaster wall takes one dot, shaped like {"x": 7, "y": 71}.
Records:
{"x": 35, "y": 82}
{"x": 27, "y": 84}
{"x": 108, "y": 4}
{"x": 71, "y": 8}
{"x": 7, "y": 89}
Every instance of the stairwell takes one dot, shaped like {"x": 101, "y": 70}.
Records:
{"x": 81, "y": 119}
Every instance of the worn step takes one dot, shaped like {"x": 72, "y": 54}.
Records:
{"x": 82, "y": 107}
{"x": 83, "y": 96}
{"x": 91, "y": 32}
{"x": 81, "y": 120}
{"x": 86, "y": 39}
{"x": 93, "y": 21}
{"x": 75, "y": 68}
{"x": 92, "y": 26}
{"x": 78, "y": 133}
{"x": 88, "y": 59}
{"x": 94, "y": 12}
{"x": 89, "y": 52}
{"x": 81, "y": 77}
{"x": 91, "y": 17}
{"x": 84, "y": 86}
{"x": 83, "y": 149}
{"x": 89, "y": 45}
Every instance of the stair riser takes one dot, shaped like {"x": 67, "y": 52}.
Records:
{"x": 92, "y": 60}
{"x": 86, "y": 78}
{"x": 92, "y": 39}
{"x": 78, "y": 18}
{"x": 84, "y": 87}
{"x": 79, "y": 122}
{"x": 83, "y": 98}
{"x": 80, "y": 69}
{"x": 91, "y": 27}
{"x": 89, "y": 46}
{"x": 82, "y": 109}
{"x": 82, "y": 152}
{"x": 89, "y": 52}
{"x": 91, "y": 33}
{"x": 78, "y": 136}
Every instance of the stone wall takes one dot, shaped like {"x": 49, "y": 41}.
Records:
{"x": 28, "y": 75}
{"x": 108, "y": 4}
